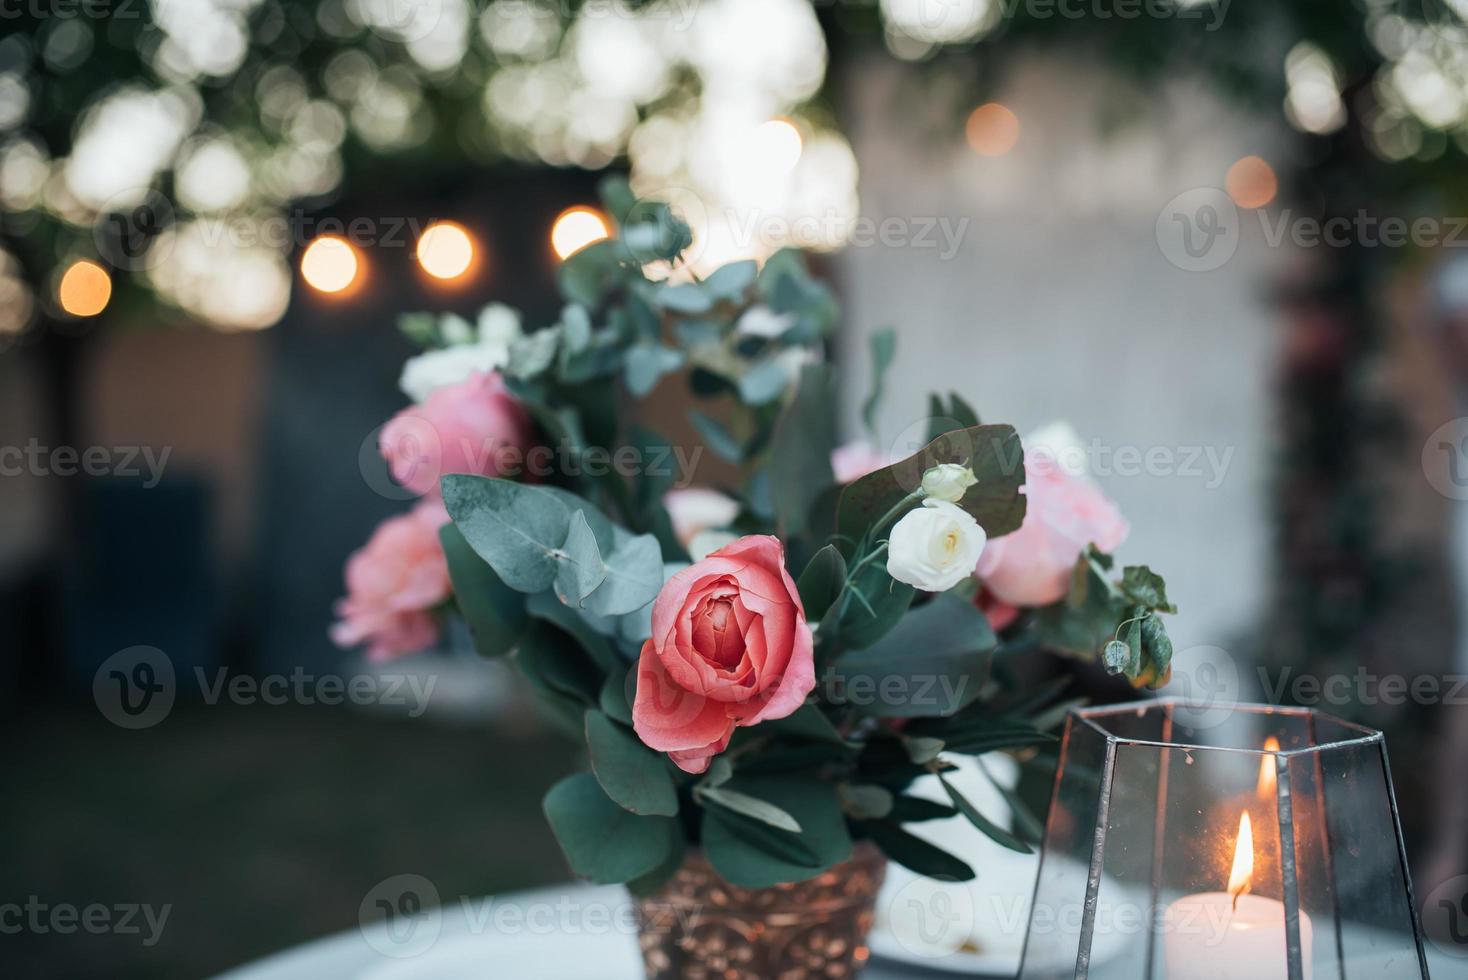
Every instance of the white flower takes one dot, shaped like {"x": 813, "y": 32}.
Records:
{"x": 935, "y": 546}
{"x": 705, "y": 543}
{"x": 434, "y": 369}
{"x": 696, "y": 509}
{"x": 948, "y": 481}
{"x": 455, "y": 330}
{"x": 499, "y": 324}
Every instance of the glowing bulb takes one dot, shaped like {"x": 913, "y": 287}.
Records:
{"x": 85, "y": 289}
{"x": 445, "y": 250}
{"x": 992, "y": 130}
{"x": 1241, "y": 877}
{"x": 1251, "y": 183}
{"x": 777, "y": 145}
{"x": 329, "y": 264}
{"x": 1267, "y": 770}
{"x": 575, "y": 229}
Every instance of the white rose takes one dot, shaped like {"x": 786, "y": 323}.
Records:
{"x": 696, "y": 509}
{"x": 935, "y": 546}
{"x": 424, "y": 374}
{"x": 948, "y": 481}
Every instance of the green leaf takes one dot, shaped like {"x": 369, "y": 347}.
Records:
{"x": 518, "y": 529}
{"x": 688, "y": 297}
{"x": 581, "y": 567}
{"x": 729, "y": 282}
{"x": 932, "y": 662}
{"x": 615, "y": 700}
{"x": 763, "y": 383}
{"x": 915, "y": 809}
{"x": 645, "y": 886}
{"x": 986, "y": 826}
{"x": 864, "y": 801}
{"x": 546, "y": 608}
{"x": 1028, "y": 826}
{"x": 420, "y": 328}
{"x": 916, "y": 854}
{"x": 752, "y": 854}
{"x": 1146, "y": 587}
{"x": 884, "y": 349}
{"x": 601, "y": 840}
{"x": 993, "y": 452}
{"x": 587, "y": 276}
{"x": 718, "y": 438}
{"x": 633, "y": 775}
{"x": 922, "y": 749}
{"x": 882, "y": 604}
{"x": 634, "y": 576}
{"x": 647, "y": 363}
{"x": 749, "y": 806}
{"x": 494, "y": 612}
{"x": 821, "y": 582}
{"x": 800, "y": 450}
{"x": 806, "y": 722}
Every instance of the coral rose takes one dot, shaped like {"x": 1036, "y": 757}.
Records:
{"x": 730, "y": 647}
{"x": 475, "y": 426}
{"x": 1064, "y": 513}
{"x": 393, "y": 583}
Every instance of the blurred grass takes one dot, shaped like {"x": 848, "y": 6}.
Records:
{"x": 262, "y": 827}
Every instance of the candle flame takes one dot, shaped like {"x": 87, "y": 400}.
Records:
{"x": 1267, "y": 770}
{"x": 1243, "y": 872}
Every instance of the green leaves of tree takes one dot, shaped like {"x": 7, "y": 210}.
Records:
{"x": 494, "y": 612}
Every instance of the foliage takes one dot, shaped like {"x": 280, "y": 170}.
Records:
{"x": 565, "y": 572}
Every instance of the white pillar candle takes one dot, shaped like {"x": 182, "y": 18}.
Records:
{"x": 1232, "y": 935}
{"x": 1208, "y": 938}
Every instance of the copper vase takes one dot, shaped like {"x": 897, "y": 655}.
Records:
{"x": 698, "y": 926}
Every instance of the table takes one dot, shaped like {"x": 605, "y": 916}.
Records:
{"x": 573, "y": 932}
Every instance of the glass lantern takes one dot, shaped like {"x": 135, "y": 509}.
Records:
{"x": 1222, "y": 843}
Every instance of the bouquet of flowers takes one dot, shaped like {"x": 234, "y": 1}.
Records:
{"x": 762, "y": 668}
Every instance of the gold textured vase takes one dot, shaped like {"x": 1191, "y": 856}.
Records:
{"x": 698, "y": 926}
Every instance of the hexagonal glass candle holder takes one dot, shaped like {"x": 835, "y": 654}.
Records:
{"x": 1238, "y": 842}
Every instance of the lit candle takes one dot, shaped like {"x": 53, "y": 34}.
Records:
{"x": 1232, "y": 935}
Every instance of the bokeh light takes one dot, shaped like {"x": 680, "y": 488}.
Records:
{"x": 445, "y": 250}
{"x": 992, "y": 130}
{"x": 777, "y": 144}
{"x": 85, "y": 289}
{"x": 575, "y": 229}
{"x": 1251, "y": 182}
{"x": 329, "y": 264}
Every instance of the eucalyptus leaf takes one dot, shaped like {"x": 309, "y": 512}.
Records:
{"x": 821, "y": 582}
{"x": 763, "y": 383}
{"x": 494, "y": 613}
{"x": 752, "y": 854}
{"x": 865, "y": 801}
{"x": 517, "y": 528}
{"x": 615, "y": 699}
{"x": 600, "y": 839}
{"x": 719, "y": 439}
{"x": 581, "y": 566}
{"x": 634, "y": 576}
{"x": 647, "y": 363}
{"x": 688, "y": 297}
{"x": 729, "y": 282}
{"x": 800, "y": 450}
{"x": 633, "y": 775}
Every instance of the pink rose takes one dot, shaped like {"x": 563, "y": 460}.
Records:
{"x": 730, "y": 647}
{"x": 1064, "y": 514}
{"x": 474, "y": 426}
{"x": 695, "y": 509}
{"x": 393, "y": 583}
{"x": 855, "y": 460}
